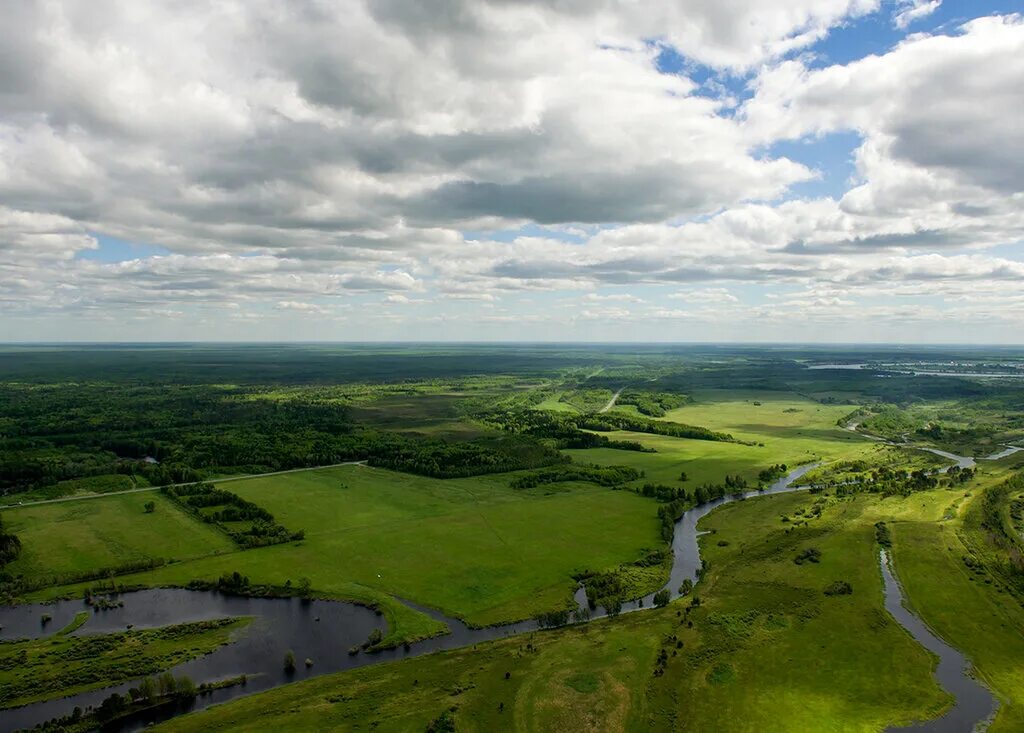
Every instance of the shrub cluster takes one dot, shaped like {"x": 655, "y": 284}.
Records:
{"x": 602, "y": 475}
{"x": 262, "y": 529}
{"x": 654, "y": 404}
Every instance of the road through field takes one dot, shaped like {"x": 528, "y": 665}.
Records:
{"x": 611, "y": 402}
{"x": 187, "y": 483}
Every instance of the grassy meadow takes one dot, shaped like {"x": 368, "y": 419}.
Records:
{"x": 88, "y": 535}
{"x": 967, "y": 606}
{"x": 783, "y": 428}
{"x": 757, "y": 646}
{"x": 765, "y": 650}
{"x": 473, "y": 548}
{"x": 782, "y": 655}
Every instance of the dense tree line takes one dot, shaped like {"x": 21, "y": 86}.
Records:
{"x": 620, "y": 421}
{"x": 561, "y": 430}
{"x": 175, "y": 433}
{"x": 602, "y": 475}
{"x": 670, "y": 511}
{"x": 262, "y": 530}
{"x": 662, "y": 492}
{"x": 188, "y": 455}
{"x": 443, "y": 459}
{"x": 653, "y": 404}
{"x": 580, "y": 431}
{"x": 900, "y": 482}
{"x": 995, "y": 512}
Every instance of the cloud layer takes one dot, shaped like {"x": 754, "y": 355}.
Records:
{"x": 375, "y": 166}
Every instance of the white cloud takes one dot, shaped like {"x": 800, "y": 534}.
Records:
{"x": 705, "y": 295}
{"x": 941, "y": 107}
{"x": 290, "y": 157}
{"x": 611, "y": 297}
{"x": 907, "y": 11}
{"x": 292, "y": 305}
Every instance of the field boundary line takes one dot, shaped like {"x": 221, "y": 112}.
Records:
{"x": 173, "y": 486}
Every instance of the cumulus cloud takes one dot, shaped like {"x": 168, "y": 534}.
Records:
{"x": 284, "y": 156}
{"x": 907, "y": 11}
{"x": 943, "y": 108}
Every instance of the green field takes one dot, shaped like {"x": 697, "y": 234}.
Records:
{"x": 772, "y": 628}
{"x": 783, "y": 429}
{"x": 758, "y": 645}
{"x": 473, "y": 548}
{"x": 967, "y": 607}
{"x": 470, "y": 547}
{"x": 767, "y": 651}
{"x": 93, "y": 534}
{"x": 755, "y": 415}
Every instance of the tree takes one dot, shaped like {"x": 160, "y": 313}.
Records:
{"x": 147, "y": 689}
{"x": 303, "y": 587}
{"x": 149, "y": 506}
{"x": 111, "y": 707}
{"x": 662, "y": 597}
{"x": 10, "y": 546}
{"x": 683, "y": 476}
{"x": 686, "y": 587}
{"x": 186, "y": 687}
{"x": 166, "y": 684}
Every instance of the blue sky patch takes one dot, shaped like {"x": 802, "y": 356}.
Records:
{"x": 112, "y": 249}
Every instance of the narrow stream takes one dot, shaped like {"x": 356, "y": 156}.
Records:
{"x": 322, "y": 631}
{"x": 974, "y": 703}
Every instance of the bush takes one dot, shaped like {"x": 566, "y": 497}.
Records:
{"x": 443, "y": 723}
{"x": 601, "y": 475}
{"x": 553, "y": 618}
{"x": 373, "y": 639}
{"x": 811, "y": 554}
{"x": 839, "y": 588}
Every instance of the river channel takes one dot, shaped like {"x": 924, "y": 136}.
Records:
{"x": 323, "y": 631}
{"x": 974, "y": 703}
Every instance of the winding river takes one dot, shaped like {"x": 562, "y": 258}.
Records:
{"x": 323, "y": 631}
{"x": 974, "y": 703}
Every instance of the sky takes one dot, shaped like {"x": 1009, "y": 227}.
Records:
{"x": 571, "y": 170}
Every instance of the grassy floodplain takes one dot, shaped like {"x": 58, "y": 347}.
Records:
{"x": 473, "y": 548}
{"x": 767, "y": 649}
{"x": 65, "y": 664}
{"x": 969, "y": 606}
{"x": 784, "y": 428}
{"x": 437, "y": 522}
{"x": 782, "y": 654}
{"x": 107, "y": 532}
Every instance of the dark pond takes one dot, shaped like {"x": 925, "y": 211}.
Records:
{"x": 322, "y": 631}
